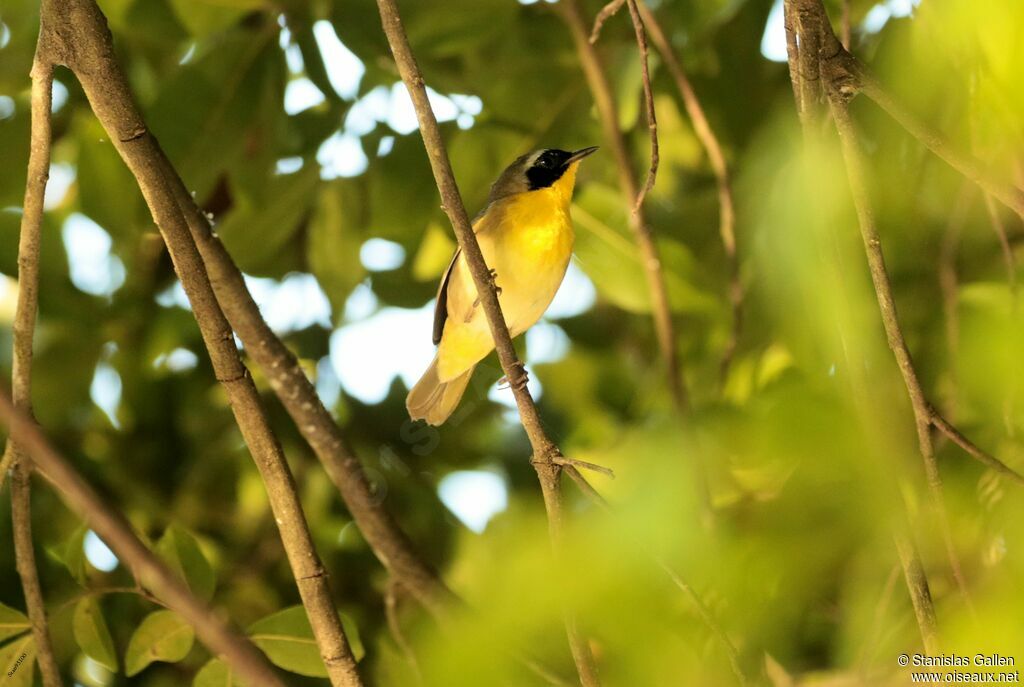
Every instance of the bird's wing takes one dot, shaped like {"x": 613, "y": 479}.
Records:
{"x": 441, "y": 307}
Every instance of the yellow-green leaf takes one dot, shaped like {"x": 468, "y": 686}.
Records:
{"x": 216, "y": 673}
{"x": 92, "y": 634}
{"x": 18, "y": 662}
{"x": 12, "y": 622}
{"x": 162, "y": 636}
{"x": 287, "y": 639}
{"x": 181, "y": 551}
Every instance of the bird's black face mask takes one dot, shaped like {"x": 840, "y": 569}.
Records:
{"x": 551, "y": 165}
{"x": 548, "y": 168}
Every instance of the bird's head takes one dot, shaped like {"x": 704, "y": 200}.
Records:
{"x": 549, "y": 168}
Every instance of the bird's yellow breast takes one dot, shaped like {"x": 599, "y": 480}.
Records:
{"x": 527, "y": 240}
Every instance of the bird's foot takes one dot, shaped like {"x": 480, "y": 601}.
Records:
{"x": 494, "y": 283}
{"x": 520, "y": 382}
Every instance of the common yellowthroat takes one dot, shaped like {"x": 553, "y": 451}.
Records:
{"x": 526, "y": 236}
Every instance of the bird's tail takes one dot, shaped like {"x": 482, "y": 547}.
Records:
{"x": 433, "y": 400}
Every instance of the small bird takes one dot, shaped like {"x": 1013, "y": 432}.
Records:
{"x": 526, "y": 236}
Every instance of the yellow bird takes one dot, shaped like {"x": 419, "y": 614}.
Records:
{"x": 526, "y": 236}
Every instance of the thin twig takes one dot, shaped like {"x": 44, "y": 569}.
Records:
{"x": 79, "y": 33}
{"x": 21, "y": 373}
{"x": 116, "y": 532}
{"x": 652, "y": 119}
{"x": 544, "y": 450}
{"x": 940, "y": 423}
{"x": 606, "y": 13}
{"x": 968, "y": 165}
{"x": 604, "y": 99}
{"x": 702, "y": 610}
{"x": 594, "y": 467}
{"x": 716, "y": 158}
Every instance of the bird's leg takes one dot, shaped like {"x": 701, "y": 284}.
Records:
{"x": 494, "y": 283}
{"x": 519, "y": 383}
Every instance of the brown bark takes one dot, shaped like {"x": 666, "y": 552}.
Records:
{"x": 716, "y": 158}
{"x": 115, "y": 531}
{"x": 544, "y": 450}
{"x": 601, "y": 90}
{"x": 21, "y": 373}
{"x": 298, "y": 395}
{"x": 77, "y": 34}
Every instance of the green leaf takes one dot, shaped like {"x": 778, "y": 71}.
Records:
{"x": 101, "y": 169}
{"x": 203, "y": 114}
{"x": 202, "y": 17}
{"x": 257, "y": 230}
{"x": 162, "y": 636}
{"x": 91, "y": 633}
{"x": 181, "y": 551}
{"x": 332, "y": 249}
{"x": 216, "y": 673}
{"x": 287, "y": 639}
{"x": 610, "y": 257}
{"x": 71, "y": 552}
{"x": 18, "y": 662}
{"x": 12, "y": 622}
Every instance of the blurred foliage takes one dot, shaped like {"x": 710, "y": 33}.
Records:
{"x": 807, "y": 449}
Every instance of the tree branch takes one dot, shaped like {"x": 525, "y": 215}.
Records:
{"x": 604, "y": 99}
{"x": 890, "y": 321}
{"x": 965, "y": 163}
{"x": 114, "y": 529}
{"x": 544, "y": 450}
{"x": 79, "y": 34}
{"x": 21, "y": 372}
{"x": 808, "y": 28}
{"x": 716, "y": 158}
{"x": 652, "y": 120}
{"x": 298, "y": 395}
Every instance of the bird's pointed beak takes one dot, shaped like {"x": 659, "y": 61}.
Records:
{"x": 580, "y": 154}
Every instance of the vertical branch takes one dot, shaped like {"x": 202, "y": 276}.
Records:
{"x": 21, "y": 373}
{"x": 115, "y": 531}
{"x": 652, "y": 120}
{"x": 716, "y": 158}
{"x": 544, "y": 450}
{"x": 805, "y": 32}
{"x": 79, "y": 29}
{"x": 604, "y": 99}
{"x": 890, "y": 321}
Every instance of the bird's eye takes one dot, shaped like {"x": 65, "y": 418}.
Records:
{"x": 545, "y": 161}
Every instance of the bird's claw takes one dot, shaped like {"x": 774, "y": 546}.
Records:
{"x": 494, "y": 283}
